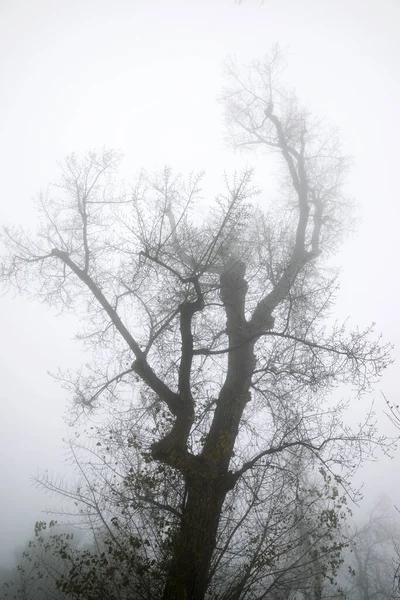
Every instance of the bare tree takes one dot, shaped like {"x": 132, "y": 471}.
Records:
{"x": 42, "y": 562}
{"x": 372, "y": 561}
{"x": 220, "y": 323}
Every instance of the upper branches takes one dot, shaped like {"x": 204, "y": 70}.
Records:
{"x": 204, "y": 310}
{"x": 262, "y": 112}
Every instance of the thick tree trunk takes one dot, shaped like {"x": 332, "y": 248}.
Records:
{"x": 207, "y": 476}
{"x": 188, "y": 575}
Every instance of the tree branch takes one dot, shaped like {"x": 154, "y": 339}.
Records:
{"x": 285, "y": 446}
{"x": 140, "y": 365}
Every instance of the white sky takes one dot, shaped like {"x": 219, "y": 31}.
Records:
{"x": 144, "y": 76}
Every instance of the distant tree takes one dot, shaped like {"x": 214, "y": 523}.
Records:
{"x": 372, "y": 562}
{"x": 394, "y": 416}
{"x": 42, "y": 563}
{"x": 212, "y": 331}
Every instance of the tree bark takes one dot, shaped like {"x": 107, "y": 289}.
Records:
{"x": 207, "y": 478}
{"x": 188, "y": 575}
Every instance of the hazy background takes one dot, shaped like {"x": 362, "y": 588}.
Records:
{"x": 144, "y": 76}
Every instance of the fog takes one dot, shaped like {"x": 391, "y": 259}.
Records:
{"x": 145, "y": 77}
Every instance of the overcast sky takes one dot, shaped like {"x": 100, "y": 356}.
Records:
{"x": 144, "y": 76}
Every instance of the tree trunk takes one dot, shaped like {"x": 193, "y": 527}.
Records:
{"x": 188, "y": 575}
{"x": 207, "y": 477}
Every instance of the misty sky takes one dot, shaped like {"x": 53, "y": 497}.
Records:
{"x": 144, "y": 76}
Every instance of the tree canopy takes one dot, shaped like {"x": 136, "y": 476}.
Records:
{"x": 214, "y": 347}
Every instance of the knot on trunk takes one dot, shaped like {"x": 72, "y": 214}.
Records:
{"x": 233, "y": 284}
{"x": 262, "y": 321}
{"x": 171, "y": 451}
